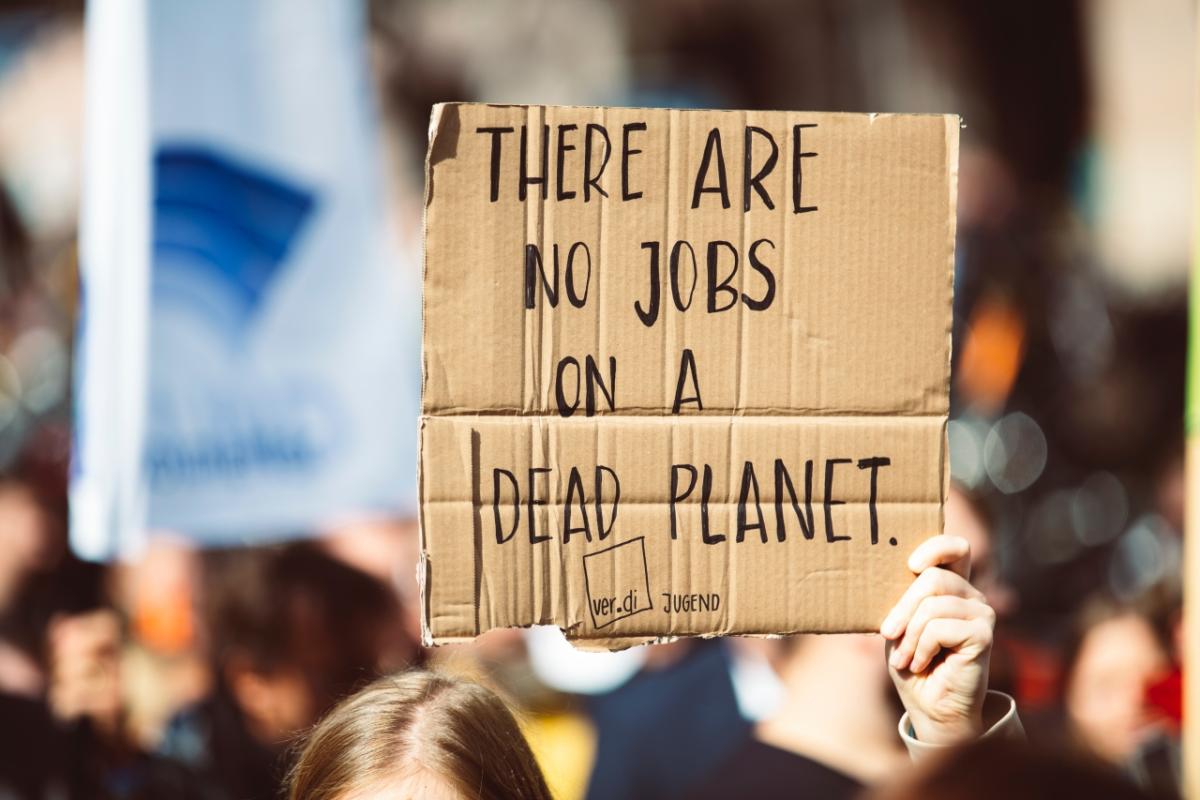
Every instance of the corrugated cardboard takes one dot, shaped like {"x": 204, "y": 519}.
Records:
{"x": 788, "y": 496}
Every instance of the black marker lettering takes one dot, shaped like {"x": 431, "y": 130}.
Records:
{"x": 784, "y": 481}
{"x": 566, "y": 409}
{"x": 533, "y": 266}
{"x": 591, "y": 181}
{"x": 526, "y": 180}
{"x": 496, "y": 133}
{"x": 873, "y": 464}
{"x": 626, "y": 154}
{"x": 798, "y": 157}
{"x": 755, "y": 181}
{"x": 602, "y": 530}
{"x": 705, "y": 495}
{"x": 722, "y": 187}
{"x": 676, "y": 294}
{"x": 502, "y": 537}
{"x": 595, "y": 380}
{"x": 563, "y": 148}
{"x": 576, "y": 299}
{"x": 717, "y": 286}
{"x": 768, "y": 278}
{"x": 533, "y": 501}
{"x": 575, "y": 499}
{"x": 648, "y": 316}
{"x": 749, "y": 485}
{"x": 830, "y": 463}
{"x": 687, "y": 366}
{"x": 676, "y": 497}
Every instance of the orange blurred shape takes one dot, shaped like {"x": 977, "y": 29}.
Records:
{"x": 160, "y": 601}
{"x": 165, "y": 625}
{"x": 991, "y": 355}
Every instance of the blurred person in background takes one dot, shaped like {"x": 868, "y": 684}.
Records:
{"x": 1116, "y": 656}
{"x": 418, "y": 734}
{"x": 1158, "y": 763}
{"x": 999, "y": 769}
{"x": 97, "y": 755}
{"x": 63, "y": 713}
{"x": 32, "y": 548}
{"x": 835, "y": 731}
{"x": 292, "y": 631}
{"x": 387, "y": 548}
{"x": 661, "y": 732}
{"x": 819, "y": 738}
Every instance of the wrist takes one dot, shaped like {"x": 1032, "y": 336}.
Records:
{"x": 999, "y": 720}
{"x": 942, "y": 732}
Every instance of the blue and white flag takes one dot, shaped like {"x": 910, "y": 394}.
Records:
{"x": 248, "y": 345}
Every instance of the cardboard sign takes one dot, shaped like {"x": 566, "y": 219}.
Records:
{"x": 685, "y": 372}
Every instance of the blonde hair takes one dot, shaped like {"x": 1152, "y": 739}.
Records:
{"x": 458, "y": 730}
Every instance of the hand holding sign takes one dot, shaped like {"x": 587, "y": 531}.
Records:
{"x": 940, "y": 642}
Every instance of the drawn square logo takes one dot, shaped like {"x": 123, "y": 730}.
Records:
{"x": 617, "y": 581}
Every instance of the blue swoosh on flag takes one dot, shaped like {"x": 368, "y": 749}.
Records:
{"x": 222, "y": 233}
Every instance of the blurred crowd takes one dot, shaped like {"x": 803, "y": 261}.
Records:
{"x": 190, "y": 673}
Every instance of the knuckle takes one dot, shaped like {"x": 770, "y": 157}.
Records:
{"x": 924, "y": 607}
{"x": 946, "y": 582}
{"x": 931, "y": 578}
{"x": 924, "y": 585}
{"x": 932, "y": 609}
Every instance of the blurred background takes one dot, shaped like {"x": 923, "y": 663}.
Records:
{"x": 1066, "y": 433}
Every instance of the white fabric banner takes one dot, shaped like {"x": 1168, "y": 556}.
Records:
{"x": 249, "y": 338}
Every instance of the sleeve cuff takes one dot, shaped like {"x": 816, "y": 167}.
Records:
{"x": 1000, "y": 720}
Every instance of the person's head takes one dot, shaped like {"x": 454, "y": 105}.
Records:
{"x": 387, "y": 548}
{"x": 418, "y": 734}
{"x": 293, "y": 630}
{"x": 999, "y": 769}
{"x": 1115, "y": 655}
{"x": 857, "y": 656}
{"x": 802, "y": 661}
